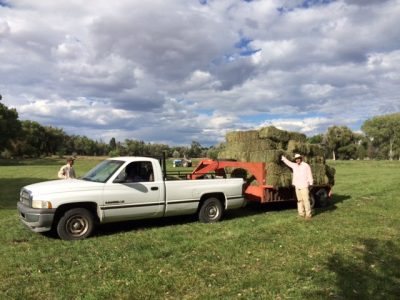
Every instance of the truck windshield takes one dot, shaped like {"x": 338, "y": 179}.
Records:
{"x": 103, "y": 171}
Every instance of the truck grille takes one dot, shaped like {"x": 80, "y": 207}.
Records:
{"x": 25, "y": 197}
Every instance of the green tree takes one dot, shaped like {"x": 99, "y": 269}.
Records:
{"x": 338, "y": 137}
{"x": 195, "y": 149}
{"x": 112, "y": 144}
{"x": 55, "y": 138}
{"x": 316, "y": 139}
{"x": 32, "y": 141}
{"x": 384, "y": 132}
{"x": 10, "y": 126}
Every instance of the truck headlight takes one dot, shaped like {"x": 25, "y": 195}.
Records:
{"x": 41, "y": 204}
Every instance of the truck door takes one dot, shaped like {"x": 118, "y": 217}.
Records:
{"x": 133, "y": 194}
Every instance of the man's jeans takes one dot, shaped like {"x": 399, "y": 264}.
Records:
{"x": 303, "y": 202}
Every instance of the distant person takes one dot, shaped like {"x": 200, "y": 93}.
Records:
{"x": 67, "y": 171}
{"x": 302, "y": 180}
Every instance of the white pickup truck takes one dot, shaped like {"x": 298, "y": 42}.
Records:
{"x": 119, "y": 189}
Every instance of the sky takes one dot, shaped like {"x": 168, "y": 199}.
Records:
{"x": 179, "y": 71}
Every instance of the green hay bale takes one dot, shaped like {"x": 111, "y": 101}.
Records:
{"x": 278, "y": 175}
{"x": 296, "y": 136}
{"x": 268, "y": 156}
{"x": 298, "y": 147}
{"x": 229, "y": 154}
{"x": 316, "y": 150}
{"x": 285, "y": 180}
{"x": 266, "y": 146}
{"x": 241, "y": 136}
{"x": 226, "y": 154}
{"x": 274, "y": 156}
{"x": 317, "y": 160}
{"x": 257, "y": 156}
{"x": 274, "y": 134}
{"x": 252, "y": 145}
{"x": 319, "y": 174}
{"x": 330, "y": 174}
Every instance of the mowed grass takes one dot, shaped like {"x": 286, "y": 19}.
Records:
{"x": 350, "y": 250}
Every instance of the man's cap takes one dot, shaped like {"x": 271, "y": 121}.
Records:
{"x": 70, "y": 159}
{"x": 296, "y": 156}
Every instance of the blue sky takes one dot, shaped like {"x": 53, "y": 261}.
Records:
{"x": 176, "y": 71}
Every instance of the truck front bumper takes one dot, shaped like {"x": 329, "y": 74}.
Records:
{"x": 37, "y": 220}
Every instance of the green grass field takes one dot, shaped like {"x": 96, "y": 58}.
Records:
{"x": 350, "y": 250}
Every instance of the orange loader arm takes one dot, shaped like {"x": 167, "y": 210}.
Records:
{"x": 257, "y": 169}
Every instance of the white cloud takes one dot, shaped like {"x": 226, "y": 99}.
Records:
{"x": 177, "y": 71}
{"x": 316, "y": 91}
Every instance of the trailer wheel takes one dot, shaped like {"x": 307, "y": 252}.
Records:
{"x": 312, "y": 200}
{"x": 239, "y": 173}
{"x": 75, "y": 224}
{"x": 321, "y": 198}
{"x": 210, "y": 211}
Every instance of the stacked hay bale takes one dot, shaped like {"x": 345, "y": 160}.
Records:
{"x": 268, "y": 145}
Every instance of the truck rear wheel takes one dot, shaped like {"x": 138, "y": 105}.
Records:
{"x": 210, "y": 211}
{"x": 75, "y": 224}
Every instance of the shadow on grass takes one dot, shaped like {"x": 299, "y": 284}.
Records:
{"x": 126, "y": 226}
{"x": 10, "y": 188}
{"x": 251, "y": 209}
{"x": 374, "y": 274}
{"x": 336, "y": 199}
{"x": 248, "y": 210}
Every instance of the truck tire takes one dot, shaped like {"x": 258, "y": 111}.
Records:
{"x": 210, "y": 211}
{"x": 75, "y": 224}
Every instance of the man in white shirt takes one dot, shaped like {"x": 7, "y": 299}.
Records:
{"x": 67, "y": 171}
{"x": 302, "y": 180}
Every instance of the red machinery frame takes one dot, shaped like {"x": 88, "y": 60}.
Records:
{"x": 252, "y": 192}
{"x": 260, "y": 191}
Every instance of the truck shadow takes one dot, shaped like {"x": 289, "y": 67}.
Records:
{"x": 126, "y": 226}
{"x": 251, "y": 209}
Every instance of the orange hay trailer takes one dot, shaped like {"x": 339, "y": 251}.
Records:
{"x": 255, "y": 188}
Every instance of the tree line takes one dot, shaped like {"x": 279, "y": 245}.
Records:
{"x": 29, "y": 139}
{"x": 379, "y": 139}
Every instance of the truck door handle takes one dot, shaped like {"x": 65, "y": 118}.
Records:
{"x": 154, "y": 188}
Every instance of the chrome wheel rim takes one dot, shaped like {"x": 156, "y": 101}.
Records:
{"x": 77, "y": 226}
{"x": 212, "y": 211}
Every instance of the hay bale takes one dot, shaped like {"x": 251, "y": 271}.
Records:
{"x": 241, "y": 136}
{"x": 330, "y": 174}
{"x": 319, "y": 174}
{"x": 298, "y": 147}
{"x": 316, "y": 150}
{"x": 296, "y": 136}
{"x": 268, "y": 145}
{"x": 274, "y": 134}
{"x": 268, "y": 156}
{"x": 278, "y": 175}
{"x": 229, "y": 154}
{"x": 317, "y": 160}
{"x": 252, "y": 145}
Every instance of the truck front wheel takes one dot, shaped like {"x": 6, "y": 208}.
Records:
{"x": 75, "y": 224}
{"x": 210, "y": 211}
